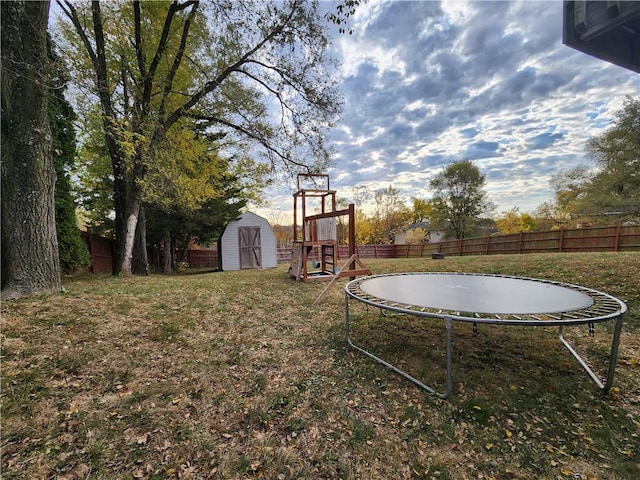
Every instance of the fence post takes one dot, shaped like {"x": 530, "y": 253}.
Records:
{"x": 616, "y": 247}
{"x": 486, "y": 248}
{"x": 460, "y": 247}
{"x": 352, "y": 230}
{"x": 561, "y": 239}
{"x": 520, "y": 242}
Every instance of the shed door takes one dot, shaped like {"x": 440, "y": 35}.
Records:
{"x": 250, "y": 248}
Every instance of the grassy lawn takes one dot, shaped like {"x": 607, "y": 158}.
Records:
{"x": 240, "y": 375}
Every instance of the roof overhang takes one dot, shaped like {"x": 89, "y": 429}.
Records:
{"x": 608, "y": 30}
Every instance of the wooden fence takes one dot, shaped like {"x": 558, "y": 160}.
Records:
{"x": 101, "y": 250}
{"x": 200, "y": 258}
{"x": 615, "y": 238}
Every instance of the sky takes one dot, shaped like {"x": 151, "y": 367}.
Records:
{"x": 426, "y": 83}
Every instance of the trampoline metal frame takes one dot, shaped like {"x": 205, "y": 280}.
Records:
{"x": 605, "y": 308}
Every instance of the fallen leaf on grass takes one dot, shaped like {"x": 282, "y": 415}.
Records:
{"x": 80, "y": 472}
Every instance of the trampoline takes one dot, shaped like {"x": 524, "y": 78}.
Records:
{"x": 490, "y": 299}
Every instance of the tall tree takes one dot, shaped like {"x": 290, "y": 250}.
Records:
{"x": 422, "y": 211}
{"x": 30, "y": 263}
{"x": 570, "y": 187}
{"x": 72, "y": 250}
{"x": 390, "y": 213}
{"x": 614, "y": 189}
{"x": 459, "y": 197}
{"x": 610, "y": 192}
{"x": 258, "y": 70}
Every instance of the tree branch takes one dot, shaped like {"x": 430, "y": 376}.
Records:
{"x": 177, "y": 59}
{"x": 138, "y": 39}
{"x": 248, "y": 133}
{"x": 213, "y": 84}
{"x": 125, "y": 89}
{"x": 100, "y": 63}
{"x": 283, "y": 105}
{"x": 72, "y": 14}
{"x": 162, "y": 45}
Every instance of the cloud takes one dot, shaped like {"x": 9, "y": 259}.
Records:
{"x": 544, "y": 140}
{"x": 427, "y": 83}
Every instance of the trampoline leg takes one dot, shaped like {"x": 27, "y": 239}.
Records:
{"x": 613, "y": 356}
{"x": 396, "y": 369}
{"x": 449, "y": 361}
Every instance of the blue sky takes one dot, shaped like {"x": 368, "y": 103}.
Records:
{"x": 426, "y": 83}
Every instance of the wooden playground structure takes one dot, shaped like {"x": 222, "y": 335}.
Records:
{"x": 315, "y": 237}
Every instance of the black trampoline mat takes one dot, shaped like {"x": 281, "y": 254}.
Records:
{"x": 470, "y": 293}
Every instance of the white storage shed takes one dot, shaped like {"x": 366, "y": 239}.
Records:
{"x": 247, "y": 242}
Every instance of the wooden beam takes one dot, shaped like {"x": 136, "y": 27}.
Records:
{"x": 345, "y": 271}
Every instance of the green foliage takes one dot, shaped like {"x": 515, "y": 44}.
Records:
{"x": 203, "y": 224}
{"x": 614, "y": 189}
{"x": 609, "y": 193}
{"x": 389, "y": 216}
{"x": 256, "y": 75}
{"x": 423, "y": 210}
{"x": 181, "y": 176}
{"x": 570, "y": 188}
{"x": 343, "y": 11}
{"x": 72, "y": 250}
{"x": 512, "y": 221}
{"x": 241, "y": 57}
{"x": 95, "y": 176}
{"x": 459, "y": 197}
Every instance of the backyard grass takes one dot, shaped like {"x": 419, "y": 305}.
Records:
{"x": 240, "y": 375}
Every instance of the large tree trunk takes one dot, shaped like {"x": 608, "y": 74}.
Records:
{"x": 30, "y": 263}
{"x": 140, "y": 256}
{"x": 127, "y": 205}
